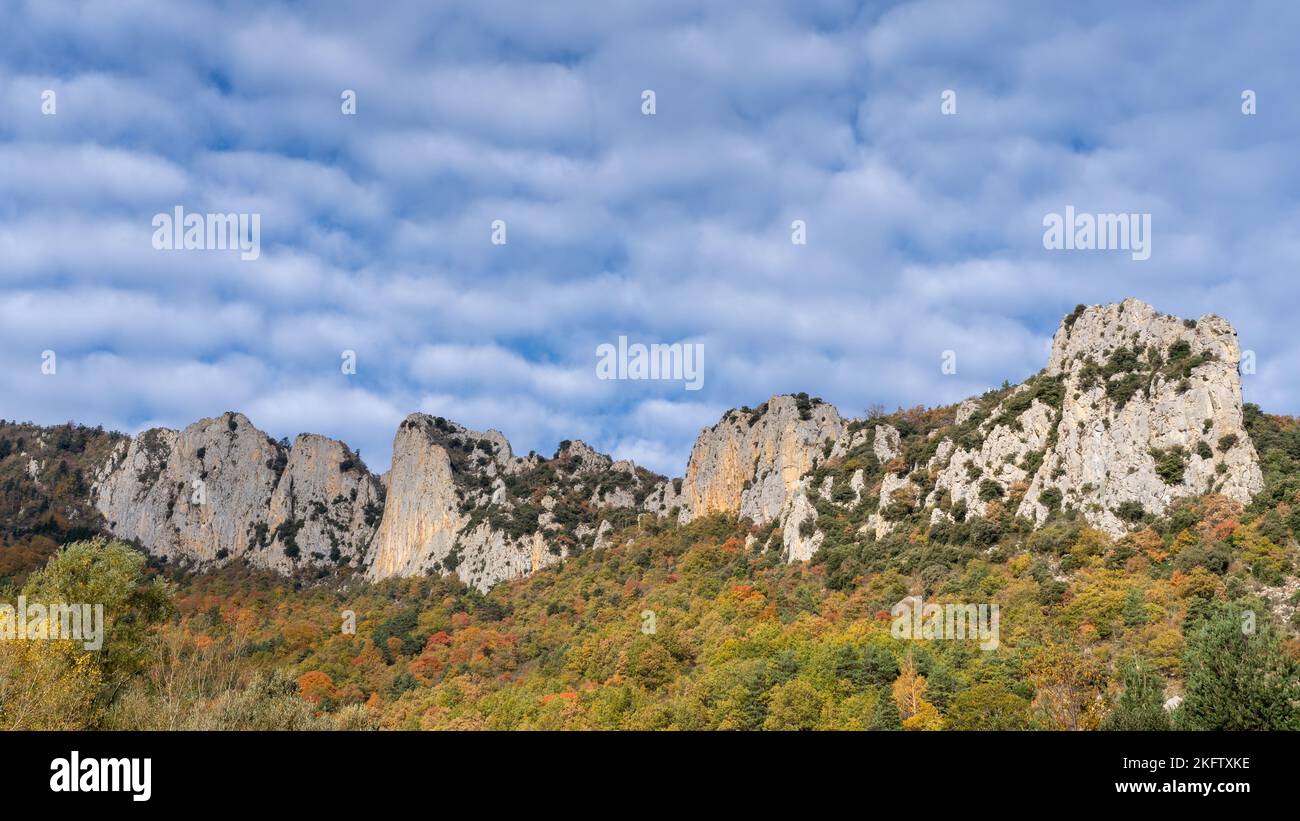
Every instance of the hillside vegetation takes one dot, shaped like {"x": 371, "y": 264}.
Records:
{"x": 704, "y": 626}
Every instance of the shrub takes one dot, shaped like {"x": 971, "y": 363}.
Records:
{"x": 1171, "y": 464}
{"x": 990, "y": 490}
{"x": 1130, "y": 511}
{"x": 1050, "y": 498}
{"x": 1141, "y": 704}
{"x": 1237, "y": 679}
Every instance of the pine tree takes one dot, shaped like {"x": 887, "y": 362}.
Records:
{"x": 886, "y": 716}
{"x": 1135, "y": 609}
{"x": 1239, "y": 677}
{"x": 1141, "y": 705}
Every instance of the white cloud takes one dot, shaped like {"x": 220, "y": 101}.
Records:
{"x": 924, "y": 231}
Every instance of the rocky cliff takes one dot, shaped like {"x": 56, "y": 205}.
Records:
{"x": 752, "y": 460}
{"x": 1151, "y": 410}
{"x": 459, "y": 500}
{"x": 221, "y": 489}
{"x": 1133, "y": 410}
{"x": 453, "y": 500}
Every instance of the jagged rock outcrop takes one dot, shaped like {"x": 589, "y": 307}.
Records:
{"x": 799, "y": 535}
{"x": 1133, "y": 410}
{"x": 751, "y": 461}
{"x": 458, "y": 500}
{"x": 1008, "y": 454}
{"x": 422, "y": 515}
{"x": 1152, "y": 411}
{"x": 454, "y": 500}
{"x": 325, "y": 507}
{"x": 221, "y": 489}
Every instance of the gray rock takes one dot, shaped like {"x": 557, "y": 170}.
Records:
{"x": 751, "y": 463}
{"x": 222, "y": 489}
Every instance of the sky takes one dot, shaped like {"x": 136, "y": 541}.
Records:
{"x": 924, "y": 229}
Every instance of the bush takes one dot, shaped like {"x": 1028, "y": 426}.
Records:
{"x": 990, "y": 490}
{"x": 1141, "y": 704}
{"x": 1237, "y": 679}
{"x": 1050, "y": 498}
{"x": 1130, "y": 511}
{"x": 989, "y": 707}
{"x": 1171, "y": 465}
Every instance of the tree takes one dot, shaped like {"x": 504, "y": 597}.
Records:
{"x": 654, "y": 666}
{"x": 989, "y": 707}
{"x": 1067, "y": 685}
{"x": 1135, "y": 610}
{"x": 850, "y": 667}
{"x": 795, "y": 705}
{"x": 909, "y": 695}
{"x": 108, "y": 574}
{"x": 879, "y": 665}
{"x": 1141, "y": 704}
{"x": 318, "y": 688}
{"x": 46, "y": 685}
{"x": 1239, "y": 676}
{"x": 886, "y": 715}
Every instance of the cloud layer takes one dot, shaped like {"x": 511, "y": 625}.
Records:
{"x": 924, "y": 231}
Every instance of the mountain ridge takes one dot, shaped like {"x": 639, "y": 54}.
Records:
{"x": 1134, "y": 409}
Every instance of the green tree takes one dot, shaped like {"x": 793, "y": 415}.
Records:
{"x": 64, "y": 684}
{"x": 1135, "y": 609}
{"x": 795, "y": 705}
{"x": 109, "y": 573}
{"x": 1239, "y": 677}
{"x": 989, "y": 707}
{"x": 879, "y": 665}
{"x": 886, "y": 716}
{"x": 1141, "y": 704}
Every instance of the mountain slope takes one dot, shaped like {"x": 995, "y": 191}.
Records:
{"x": 1133, "y": 411}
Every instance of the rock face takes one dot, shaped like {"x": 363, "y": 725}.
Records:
{"x": 1133, "y": 410}
{"x": 454, "y": 500}
{"x": 422, "y": 517}
{"x": 326, "y": 504}
{"x": 1151, "y": 411}
{"x": 222, "y": 489}
{"x": 1004, "y": 457}
{"x": 459, "y": 500}
{"x": 752, "y": 460}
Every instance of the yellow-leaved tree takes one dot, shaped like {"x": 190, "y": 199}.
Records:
{"x": 57, "y": 683}
{"x": 909, "y": 694}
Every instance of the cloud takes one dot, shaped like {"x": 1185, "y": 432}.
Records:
{"x": 924, "y": 230}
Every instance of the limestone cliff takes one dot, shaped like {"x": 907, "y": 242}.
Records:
{"x": 1151, "y": 411}
{"x": 422, "y": 516}
{"x": 752, "y": 460}
{"x": 454, "y": 500}
{"x": 459, "y": 501}
{"x": 221, "y": 489}
{"x": 1133, "y": 410}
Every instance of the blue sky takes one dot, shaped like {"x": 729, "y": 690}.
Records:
{"x": 924, "y": 230}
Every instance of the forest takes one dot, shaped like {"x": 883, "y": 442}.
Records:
{"x": 1188, "y": 622}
